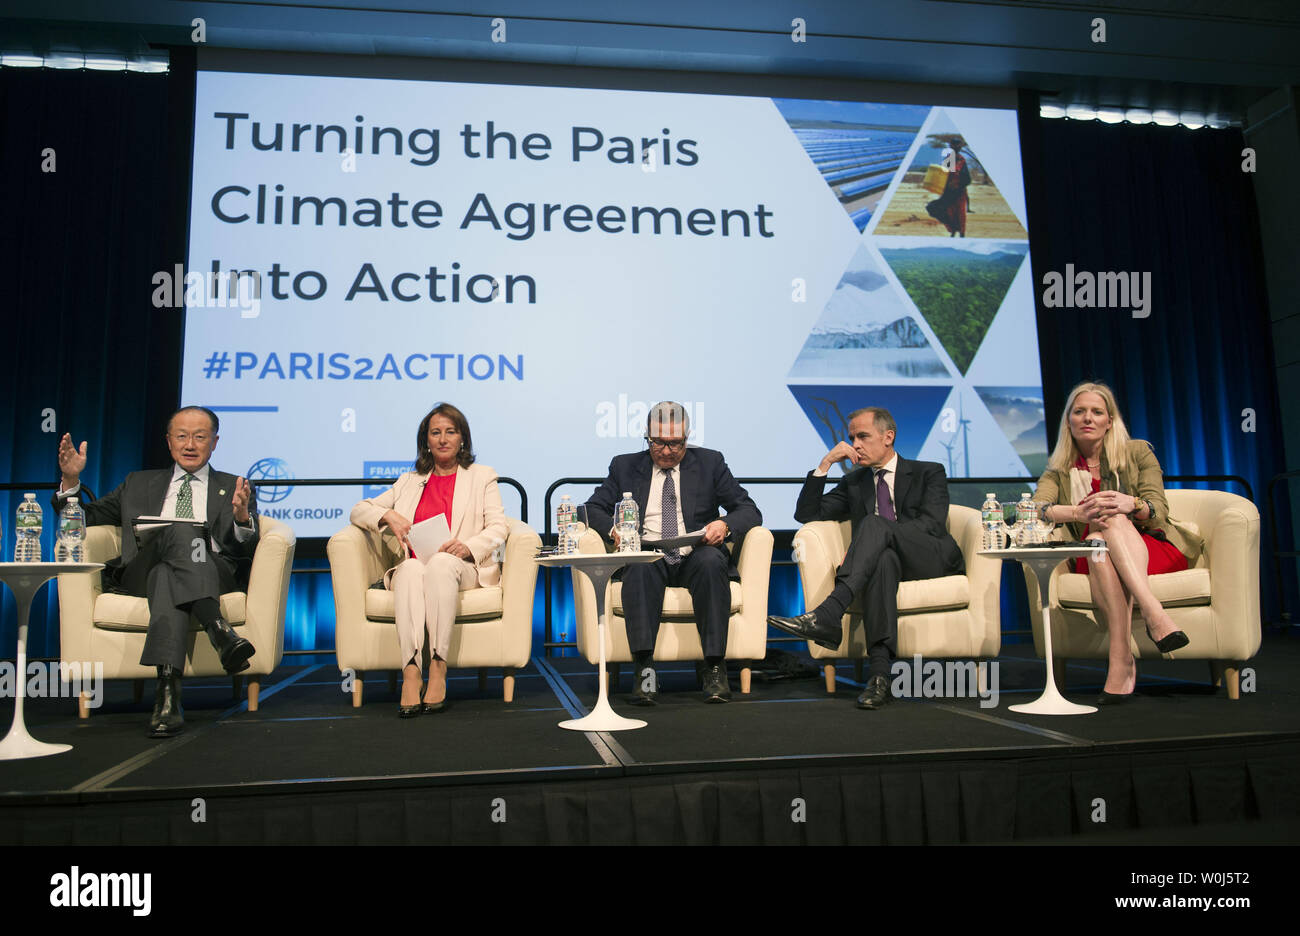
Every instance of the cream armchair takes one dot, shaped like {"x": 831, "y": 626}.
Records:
{"x": 954, "y": 616}
{"x": 110, "y": 629}
{"x": 494, "y": 626}
{"x": 1215, "y": 601}
{"x": 678, "y": 637}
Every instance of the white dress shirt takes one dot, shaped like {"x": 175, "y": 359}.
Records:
{"x": 198, "y": 492}
{"x": 652, "y": 525}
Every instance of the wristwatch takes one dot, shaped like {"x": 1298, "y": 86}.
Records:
{"x": 1138, "y": 506}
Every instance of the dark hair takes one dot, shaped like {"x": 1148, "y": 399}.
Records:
{"x": 216, "y": 423}
{"x": 879, "y": 415}
{"x": 424, "y": 457}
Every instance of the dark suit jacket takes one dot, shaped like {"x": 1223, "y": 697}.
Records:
{"x": 143, "y": 494}
{"x": 920, "y": 502}
{"x": 706, "y": 486}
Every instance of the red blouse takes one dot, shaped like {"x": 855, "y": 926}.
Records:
{"x": 436, "y": 499}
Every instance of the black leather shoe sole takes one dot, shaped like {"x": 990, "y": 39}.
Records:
{"x": 165, "y": 731}
{"x": 235, "y": 659}
{"x": 645, "y": 701}
{"x": 796, "y": 628}
{"x": 1114, "y": 698}
{"x": 717, "y": 697}
{"x": 1169, "y": 642}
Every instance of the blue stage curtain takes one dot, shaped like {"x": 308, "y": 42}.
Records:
{"x": 87, "y": 352}
{"x": 1196, "y": 377}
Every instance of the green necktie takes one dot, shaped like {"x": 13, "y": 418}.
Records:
{"x": 185, "y": 500}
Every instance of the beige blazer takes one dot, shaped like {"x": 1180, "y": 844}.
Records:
{"x": 477, "y": 517}
{"x": 1143, "y": 478}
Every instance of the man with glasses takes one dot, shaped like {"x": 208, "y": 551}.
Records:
{"x": 181, "y": 572}
{"x": 678, "y": 490}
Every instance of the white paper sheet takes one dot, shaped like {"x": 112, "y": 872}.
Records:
{"x": 427, "y": 536}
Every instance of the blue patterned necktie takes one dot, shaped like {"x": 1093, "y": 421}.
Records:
{"x": 185, "y": 500}
{"x": 884, "y": 506}
{"x": 668, "y": 517}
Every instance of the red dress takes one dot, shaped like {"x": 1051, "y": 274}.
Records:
{"x": 1162, "y": 555}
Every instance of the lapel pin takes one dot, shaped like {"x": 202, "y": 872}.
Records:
{"x": 222, "y": 491}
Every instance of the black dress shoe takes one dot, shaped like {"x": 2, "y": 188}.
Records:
{"x": 876, "y": 695}
{"x": 410, "y": 711}
{"x": 1114, "y": 698}
{"x": 431, "y": 708}
{"x": 716, "y": 686}
{"x": 806, "y": 626}
{"x": 168, "y": 719}
{"x": 1175, "y": 640}
{"x": 645, "y": 690}
{"x": 233, "y": 649}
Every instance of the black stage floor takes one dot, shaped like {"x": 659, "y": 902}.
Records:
{"x": 308, "y": 767}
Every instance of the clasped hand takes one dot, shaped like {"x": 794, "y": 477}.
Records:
{"x": 1106, "y": 504}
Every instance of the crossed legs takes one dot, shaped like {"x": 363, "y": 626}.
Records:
{"x": 1117, "y": 583}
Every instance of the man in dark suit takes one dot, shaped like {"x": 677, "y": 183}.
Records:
{"x": 179, "y": 576}
{"x": 899, "y": 512}
{"x": 677, "y": 491}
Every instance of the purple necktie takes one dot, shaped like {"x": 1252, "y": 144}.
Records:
{"x": 884, "y": 506}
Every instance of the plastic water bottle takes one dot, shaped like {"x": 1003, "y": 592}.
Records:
{"x": 1026, "y": 521}
{"x": 71, "y": 544}
{"x": 27, "y": 528}
{"x": 627, "y": 523}
{"x": 563, "y": 518}
{"x": 992, "y": 518}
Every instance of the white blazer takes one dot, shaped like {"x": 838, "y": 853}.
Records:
{"x": 477, "y": 518}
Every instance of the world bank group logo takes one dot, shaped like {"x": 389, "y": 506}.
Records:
{"x": 271, "y": 469}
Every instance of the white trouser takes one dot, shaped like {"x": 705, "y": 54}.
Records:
{"x": 424, "y": 599}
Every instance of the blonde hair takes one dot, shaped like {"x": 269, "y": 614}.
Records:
{"x": 1114, "y": 445}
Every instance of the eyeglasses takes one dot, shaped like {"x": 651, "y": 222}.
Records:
{"x": 672, "y": 445}
{"x": 199, "y": 438}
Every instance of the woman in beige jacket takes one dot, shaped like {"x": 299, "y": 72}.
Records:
{"x": 1102, "y": 484}
{"x": 445, "y": 481}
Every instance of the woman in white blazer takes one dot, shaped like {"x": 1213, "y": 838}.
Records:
{"x": 446, "y": 481}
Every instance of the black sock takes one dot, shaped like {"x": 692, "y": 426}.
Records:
{"x": 207, "y": 610}
{"x": 713, "y": 661}
{"x": 878, "y": 658}
{"x": 642, "y": 658}
{"x": 830, "y": 611}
